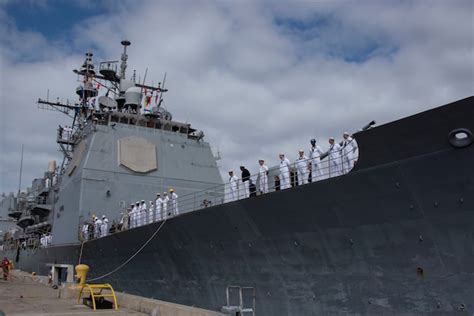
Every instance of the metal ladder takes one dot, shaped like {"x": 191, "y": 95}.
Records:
{"x": 240, "y": 309}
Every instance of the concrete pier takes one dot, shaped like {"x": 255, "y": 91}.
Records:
{"x": 26, "y": 295}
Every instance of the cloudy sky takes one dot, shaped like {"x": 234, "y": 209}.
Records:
{"x": 258, "y": 77}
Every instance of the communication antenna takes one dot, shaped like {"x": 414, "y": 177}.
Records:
{"x": 21, "y": 168}
{"x": 144, "y": 77}
{"x": 162, "y": 89}
{"x": 123, "y": 65}
{"x": 218, "y": 156}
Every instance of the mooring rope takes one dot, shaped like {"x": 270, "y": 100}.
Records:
{"x": 80, "y": 253}
{"x": 133, "y": 256}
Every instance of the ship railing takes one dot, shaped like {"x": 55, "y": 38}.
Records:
{"x": 39, "y": 239}
{"x": 333, "y": 165}
{"x": 330, "y": 165}
{"x": 66, "y": 136}
{"x": 41, "y": 200}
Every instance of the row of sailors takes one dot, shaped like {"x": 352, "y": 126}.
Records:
{"x": 341, "y": 159}
{"x": 96, "y": 229}
{"x": 46, "y": 240}
{"x": 139, "y": 214}
{"x": 65, "y": 133}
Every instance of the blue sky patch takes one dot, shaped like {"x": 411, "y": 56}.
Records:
{"x": 53, "y": 19}
{"x": 330, "y": 37}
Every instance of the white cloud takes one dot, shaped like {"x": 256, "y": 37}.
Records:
{"x": 256, "y": 87}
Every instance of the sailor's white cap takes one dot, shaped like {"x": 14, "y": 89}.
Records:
{"x": 158, "y": 194}
{"x": 301, "y": 151}
{"x": 331, "y": 138}
{"x": 143, "y": 201}
{"x": 346, "y": 133}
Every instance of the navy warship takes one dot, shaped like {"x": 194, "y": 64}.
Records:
{"x": 393, "y": 235}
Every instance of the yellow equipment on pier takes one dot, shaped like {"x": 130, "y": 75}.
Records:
{"x": 95, "y": 290}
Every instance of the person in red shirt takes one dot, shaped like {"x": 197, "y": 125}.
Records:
{"x": 5, "y": 268}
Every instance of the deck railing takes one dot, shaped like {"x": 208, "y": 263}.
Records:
{"x": 329, "y": 167}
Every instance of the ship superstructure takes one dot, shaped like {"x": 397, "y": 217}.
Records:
{"x": 121, "y": 146}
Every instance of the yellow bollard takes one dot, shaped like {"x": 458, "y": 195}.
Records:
{"x": 81, "y": 273}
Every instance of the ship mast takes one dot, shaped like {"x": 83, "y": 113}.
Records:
{"x": 91, "y": 107}
{"x": 123, "y": 65}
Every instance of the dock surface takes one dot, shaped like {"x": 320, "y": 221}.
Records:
{"x": 25, "y": 294}
{"x": 24, "y": 297}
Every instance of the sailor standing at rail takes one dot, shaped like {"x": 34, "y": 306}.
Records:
{"x": 245, "y": 181}
{"x": 60, "y": 132}
{"x": 151, "y": 212}
{"x": 142, "y": 214}
{"x": 49, "y": 239}
{"x": 91, "y": 229}
{"x": 132, "y": 215}
{"x": 349, "y": 147}
{"x": 68, "y": 130}
{"x": 65, "y": 133}
{"x": 284, "y": 172}
{"x": 174, "y": 202}
{"x": 158, "y": 207}
{"x": 334, "y": 155}
{"x": 128, "y": 218}
{"x": 85, "y": 231}
{"x": 263, "y": 176}
{"x": 104, "y": 227}
{"x": 97, "y": 226}
{"x": 233, "y": 186}
{"x": 124, "y": 219}
{"x": 135, "y": 214}
{"x": 302, "y": 166}
{"x": 315, "y": 153}
{"x": 166, "y": 201}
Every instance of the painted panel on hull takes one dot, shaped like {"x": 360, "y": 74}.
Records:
{"x": 137, "y": 154}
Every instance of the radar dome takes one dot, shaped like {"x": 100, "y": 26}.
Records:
{"x": 133, "y": 96}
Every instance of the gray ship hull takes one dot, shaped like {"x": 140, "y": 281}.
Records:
{"x": 394, "y": 235}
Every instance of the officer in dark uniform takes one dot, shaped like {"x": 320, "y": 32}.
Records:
{"x": 245, "y": 180}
